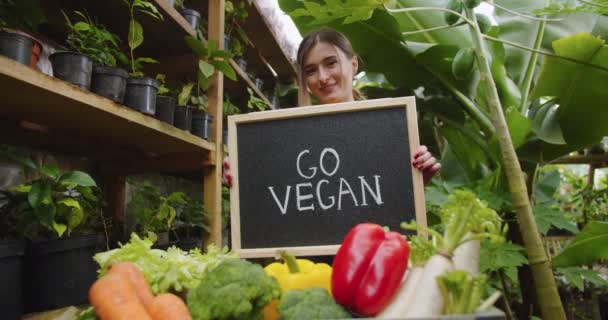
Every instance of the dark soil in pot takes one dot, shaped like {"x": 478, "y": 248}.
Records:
{"x": 109, "y": 82}
{"x": 11, "y": 295}
{"x": 141, "y": 94}
{"x": 183, "y": 117}
{"x": 16, "y": 46}
{"x": 59, "y": 272}
{"x": 73, "y": 67}
{"x": 192, "y": 16}
{"x": 201, "y": 124}
{"x": 165, "y": 109}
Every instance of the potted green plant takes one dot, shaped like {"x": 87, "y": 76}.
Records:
{"x": 201, "y": 119}
{"x": 60, "y": 214}
{"x": 141, "y": 91}
{"x": 12, "y": 243}
{"x": 93, "y": 39}
{"x": 153, "y": 212}
{"x": 18, "y": 19}
{"x": 256, "y": 104}
{"x": 235, "y": 38}
{"x": 191, "y": 224}
{"x": 165, "y": 103}
{"x": 183, "y": 111}
{"x": 193, "y": 17}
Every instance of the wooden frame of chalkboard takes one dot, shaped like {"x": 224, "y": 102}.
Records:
{"x": 409, "y": 128}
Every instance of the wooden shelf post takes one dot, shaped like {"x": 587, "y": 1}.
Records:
{"x": 212, "y": 195}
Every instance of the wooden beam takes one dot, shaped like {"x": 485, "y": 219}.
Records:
{"x": 178, "y": 162}
{"x": 599, "y": 160}
{"x": 114, "y": 192}
{"x": 212, "y": 190}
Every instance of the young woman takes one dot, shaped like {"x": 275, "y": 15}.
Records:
{"x": 327, "y": 66}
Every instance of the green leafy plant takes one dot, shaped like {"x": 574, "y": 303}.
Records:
{"x": 56, "y": 203}
{"x": 230, "y": 108}
{"x": 152, "y": 211}
{"x": 256, "y": 104}
{"x": 236, "y": 15}
{"x": 191, "y": 215}
{"x": 198, "y": 100}
{"x": 211, "y": 60}
{"x": 162, "y": 89}
{"x": 93, "y": 39}
{"x": 179, "y": 4}
{"x": 136, "y": 32}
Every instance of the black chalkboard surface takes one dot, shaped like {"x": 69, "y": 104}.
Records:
{"x": 304, "y": 177}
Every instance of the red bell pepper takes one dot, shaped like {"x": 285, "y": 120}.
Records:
{"x": 368, "y": 268}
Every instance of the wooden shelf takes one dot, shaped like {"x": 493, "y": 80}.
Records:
{"x": 243, "y": 76}
{"x": 46, "y": 112}
{"x": 163, "y": 39}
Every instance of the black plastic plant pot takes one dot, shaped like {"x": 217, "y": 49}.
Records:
{"x": 241, "y": 62}
{"x": 59, "y": 272}
{"x": 225, "y": 136}
{"x": 141, "y": 94}
{"x": 16, "y": 46}
{"x": 201, "y": 124}
{"x": 73, "y": 67}
{"x": 109, "y": 82}
{"x": 165, "y": 109}
{"x": 11, "y": 253}
{"x": 183, "y": 117}
{"x": 192, "y": 16}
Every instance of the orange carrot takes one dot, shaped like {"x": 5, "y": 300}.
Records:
{"x": 114, "y": 298}
{"x": 169, "y": 306}
{"x": 138, "y": 281}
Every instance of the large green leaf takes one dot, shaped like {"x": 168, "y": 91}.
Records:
{"x": 413, "y": 21}
{"x": 77, "y": 178}
{"x": 471, "y": 152}
{"x": 577, "y": 275}
{"x": 545, "y": 121}
{"x": 50, "y": 171}
{"x": 73, "y": 210}
{"x": 40, "y": 194}
{"x": 523, "y": 31}
{"x": 586, "y": 248}
{"x": 547, "y": 186}
{"x": 502, "y": 256}
{"x": 581, "y": 90}
{"x": 136, "y": 34}
{"x": 546, "y": 217}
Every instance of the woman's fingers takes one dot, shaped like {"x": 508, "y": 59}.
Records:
{"x": 226, "y": 176}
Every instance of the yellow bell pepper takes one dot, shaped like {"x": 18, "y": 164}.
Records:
{"x": 296, "y": 274}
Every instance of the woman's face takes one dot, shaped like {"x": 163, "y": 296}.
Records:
{"x": 328, "y": 73}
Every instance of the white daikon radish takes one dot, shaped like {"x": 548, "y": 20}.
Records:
{"x": 428, "y": 300}
{"x": 420, "y": 251}
{"x": 466, "y": 256}
{"x": 461, "y": 215}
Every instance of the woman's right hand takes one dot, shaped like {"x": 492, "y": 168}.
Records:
{"x": 226, "y": 176}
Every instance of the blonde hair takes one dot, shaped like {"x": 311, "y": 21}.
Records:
{"x": 325, "y": 35}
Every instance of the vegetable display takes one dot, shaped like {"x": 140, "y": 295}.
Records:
{"x": 171, "y": 270}
{"x": 368, "y": 268}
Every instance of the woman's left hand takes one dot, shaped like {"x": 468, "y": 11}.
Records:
{"x": 424, "y": 161}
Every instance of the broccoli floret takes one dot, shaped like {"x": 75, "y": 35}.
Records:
{"x": 311, "y": 303}
{"x": 236, "y": 289}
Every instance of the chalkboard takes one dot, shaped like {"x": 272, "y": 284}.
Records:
{"x": 303, "y": 177}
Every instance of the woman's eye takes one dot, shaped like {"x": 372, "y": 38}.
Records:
{"x": 310, "y": 72}
{"x": 332, "y": 63}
